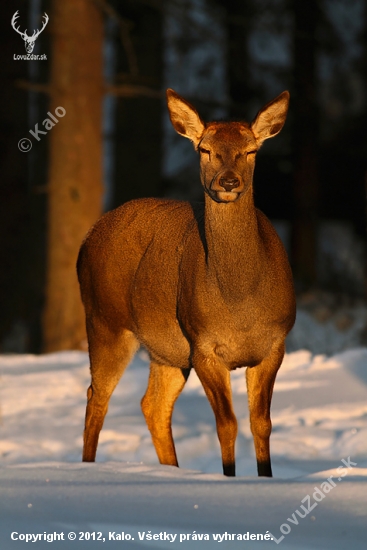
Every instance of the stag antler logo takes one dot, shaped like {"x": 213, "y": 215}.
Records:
{"x": 29, "y": 40}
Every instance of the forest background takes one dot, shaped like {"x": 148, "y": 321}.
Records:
{"x": 107, "y": 65}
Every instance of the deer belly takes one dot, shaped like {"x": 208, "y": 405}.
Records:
{"x": 153, "y": 309}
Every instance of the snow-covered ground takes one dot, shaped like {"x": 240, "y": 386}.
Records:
{"x": 319, "y": 418}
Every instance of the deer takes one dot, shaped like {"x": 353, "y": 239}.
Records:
{"x": 29, "y": 41}
{"x": 202, "y": 285}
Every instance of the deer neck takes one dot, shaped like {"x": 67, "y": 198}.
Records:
{"x": 233, "y": 246}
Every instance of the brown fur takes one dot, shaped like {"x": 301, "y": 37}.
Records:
{"x": 204, "y": 286}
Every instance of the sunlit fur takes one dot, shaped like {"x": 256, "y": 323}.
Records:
{"x": 204, "y": 285}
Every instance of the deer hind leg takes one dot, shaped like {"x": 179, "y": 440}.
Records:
{"x": 109, "y": 356}
{"x": 216, "y": 382}
{"x": 164, "y": 386}
{"x": 260, "y": 384}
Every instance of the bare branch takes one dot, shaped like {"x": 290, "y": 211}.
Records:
{"x": 131, "y": 90}
{"x": 125, "y": 26}
{"x": 32, "y": 86}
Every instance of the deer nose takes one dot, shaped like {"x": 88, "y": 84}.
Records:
{"x": 229, "y": 183}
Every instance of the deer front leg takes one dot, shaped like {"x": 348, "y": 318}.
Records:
{"x": 260, "y": 383}
{"x": 164, "y": 386}
{"x": 215, "y": 379}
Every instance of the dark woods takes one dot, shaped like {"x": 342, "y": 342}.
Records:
{"x": 108, "y": 64}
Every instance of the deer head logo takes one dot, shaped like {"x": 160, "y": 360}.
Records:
{"x": 29, "y": 40}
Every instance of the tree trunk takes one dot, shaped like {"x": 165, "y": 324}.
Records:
{"x": 364, "y": 75}
{"x": 305, "y": 133}
{"x": 75, "y": 173}
{"x": 239, "y": 21}
{"x": 14, "y": 211}
{"x": 138, "y": 146}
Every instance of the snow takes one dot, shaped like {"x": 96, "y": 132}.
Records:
{"x": 319, "y": 415}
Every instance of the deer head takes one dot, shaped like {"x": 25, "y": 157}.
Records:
{"x": 29, "y": 40}
{"x": 227, "y": 149}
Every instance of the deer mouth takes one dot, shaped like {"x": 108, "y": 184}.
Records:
{"x": 227, "y": 196}
{"x": 222, "y": 195}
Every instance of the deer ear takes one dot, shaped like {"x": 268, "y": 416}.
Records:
{"x": 185, "y": 119}
{"x": 271, "y": 118}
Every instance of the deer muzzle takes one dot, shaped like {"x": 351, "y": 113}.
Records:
{"x": 227, "y": 186}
